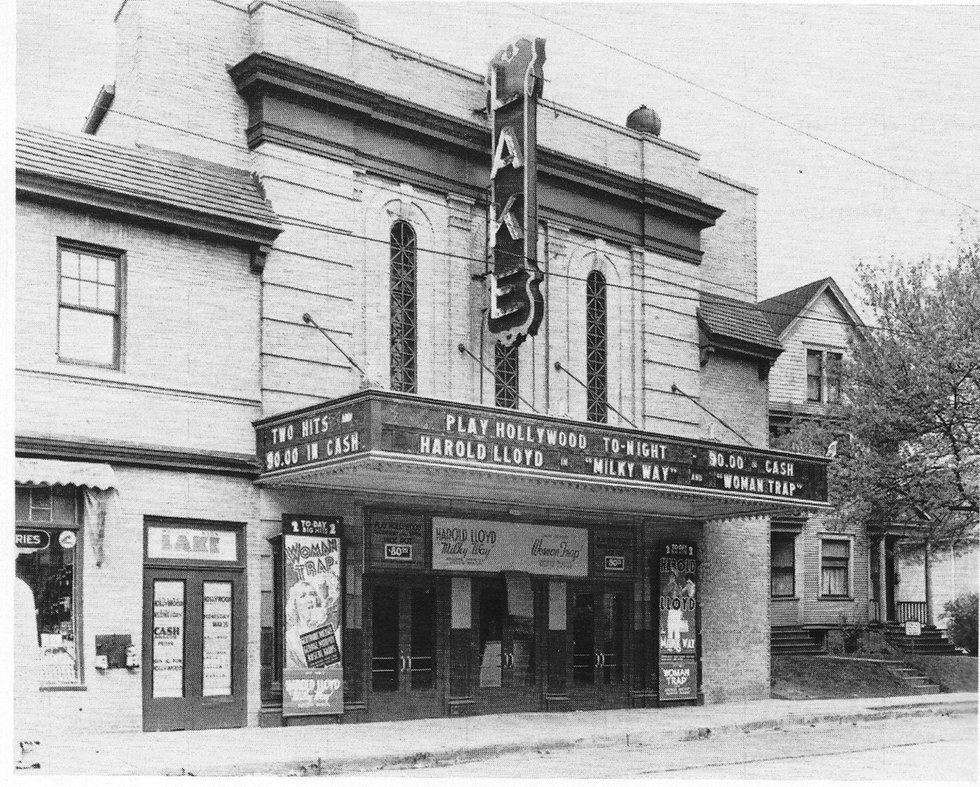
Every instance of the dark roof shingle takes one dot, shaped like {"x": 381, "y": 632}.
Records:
{"x": 740, "y": 321}
{"x": 782, "y": 309}
{"x": 150, "y": 176}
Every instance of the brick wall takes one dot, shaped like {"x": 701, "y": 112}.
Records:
{"x": 732, "y": 390}
{"x": 173, "y": 388}
{"x": 734, "y": 595}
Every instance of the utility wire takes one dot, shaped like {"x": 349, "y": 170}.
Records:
{"x": 674, "y": 389}
{"x": 466, "y": 351}
{"x": 701, "y": 297}
{"x": 605, "y": 401}
{"x": 747, "y": 108}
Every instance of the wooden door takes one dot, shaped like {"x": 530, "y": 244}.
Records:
{"x": 193, "y": 649}
{"x": 406, "y": 634}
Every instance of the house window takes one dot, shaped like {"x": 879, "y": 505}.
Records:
{"x": 404, "y": 324}
{"x": 505, "y": 376}
{"x": 595, "y": 347}
{"x": 89, "y": 305}
{"x": 823, "y": 376}
{"x": 835, "y": 559}
{"x": 783, "y": 565}
{"x": 47, "y": 561}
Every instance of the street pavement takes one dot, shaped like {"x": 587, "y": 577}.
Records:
{"x": 356, "y": 748}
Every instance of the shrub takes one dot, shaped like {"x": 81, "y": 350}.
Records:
{"x": 962, "y": 627}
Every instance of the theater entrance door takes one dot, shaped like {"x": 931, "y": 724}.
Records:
{"x": 406, "y": 625}
{"x": 598, "y": 644}
{"x": 507, "y": 644}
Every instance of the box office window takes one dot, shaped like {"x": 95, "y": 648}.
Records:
{"x": 783, "y": 579}
{"x": 835, "y": 560}
{"x": 47, "y": 562}
{"x": 89, "y": 305}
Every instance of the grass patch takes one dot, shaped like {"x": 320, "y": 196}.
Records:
{"x": 809, "y": 678}
{"x": 953, "y": 673}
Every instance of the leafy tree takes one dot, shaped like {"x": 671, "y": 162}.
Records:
{"x": 912, "y": 404}
{"x": 962, "y": 626}
{"x": 907, "y": 436}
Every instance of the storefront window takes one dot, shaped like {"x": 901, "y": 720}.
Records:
{"x": 47, "y": 554}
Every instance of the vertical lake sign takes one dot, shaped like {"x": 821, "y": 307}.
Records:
{"x": 514, "y": 82}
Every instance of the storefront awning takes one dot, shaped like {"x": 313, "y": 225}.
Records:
{"x": 54, "y": 472}
{"x": 390, "y": 444}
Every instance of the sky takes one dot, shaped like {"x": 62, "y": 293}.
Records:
{"x": 895, "y": 84}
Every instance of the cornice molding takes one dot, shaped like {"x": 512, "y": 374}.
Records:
{"x": 262, "y": 74}
{"x": 47, "y": 188}
{"x": 150, "y": 457}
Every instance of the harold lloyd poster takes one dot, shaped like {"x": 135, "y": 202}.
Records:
{"x": 677, "y": 636}
{"x": 312, "y": 675}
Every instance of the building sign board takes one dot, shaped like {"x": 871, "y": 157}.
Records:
{"x": 445, "y": 433}
{"x": 396, "y": 540}
{"x": 677, "y": 635}
{"x": 191, "y": 543}
{"x": 612, "y": 550}
{"x": 313, "y": 674}
{"x": 514, "y": 82}
{"x": 484, "y": 546}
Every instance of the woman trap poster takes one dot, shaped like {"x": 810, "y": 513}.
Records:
{"x": 313, "y": 673}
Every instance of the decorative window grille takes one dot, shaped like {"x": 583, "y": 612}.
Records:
{"x": 596, "y": 384}
{"x": 505, "y": 375}
{"x": 404, "y": 314}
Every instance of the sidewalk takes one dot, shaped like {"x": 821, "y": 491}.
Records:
{"x": 337, "y": 748}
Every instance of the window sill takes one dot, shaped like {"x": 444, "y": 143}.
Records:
{"x": 64, "y": 687}
{"x": 785, "y": 598}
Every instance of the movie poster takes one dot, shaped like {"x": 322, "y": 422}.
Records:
{"x": 677, "y": 628}
{"x": 313, "y": 674}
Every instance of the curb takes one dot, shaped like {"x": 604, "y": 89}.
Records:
{"x": 435, "y": 758}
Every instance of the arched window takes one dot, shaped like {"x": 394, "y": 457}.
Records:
{"x": 596, "y": 384}
{"x": 505, "y": 377}
{"x": 404, "y": 316}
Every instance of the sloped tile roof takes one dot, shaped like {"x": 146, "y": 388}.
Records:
{"x": 782, "y": 309}
{"x": 740, "y": 321}
{"x": 147, "y": 176}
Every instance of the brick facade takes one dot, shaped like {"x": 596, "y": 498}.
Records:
{"x": 210, "y": 345}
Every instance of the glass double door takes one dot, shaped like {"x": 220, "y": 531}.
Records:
{"x": 506, "y": 651}
{"x": 193, "y": 660}
{"x": 598, "y": 635}
{"x": 406, "y": 634}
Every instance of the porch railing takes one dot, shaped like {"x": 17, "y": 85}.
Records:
{"x": 910, "y": 610}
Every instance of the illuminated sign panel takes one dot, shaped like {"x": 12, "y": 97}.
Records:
{"x": 514, "y": 84}
{"x": 445, "y": 433}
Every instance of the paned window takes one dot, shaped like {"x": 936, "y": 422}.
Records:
{"x": 835, "y": 558}
{"x": 783, "y": 578}
{"x": 823, "y": 376}
{"x": 47, "y": 562}
{"x": 404, "y": 313}
{"x": 89, "y": 305}
{"x": 595, "y": 348}
{"x": 505, "y": 376}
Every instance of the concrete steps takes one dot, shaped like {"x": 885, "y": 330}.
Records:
{"x": 794, "y": 641}
{"x": 932, "y": 641}
{"x": 915, "y": 681}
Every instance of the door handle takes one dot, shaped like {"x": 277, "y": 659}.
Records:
{"x": 602, "y": 659}
{"x": 598, "y": 659}
{"x": 404, "y": 662}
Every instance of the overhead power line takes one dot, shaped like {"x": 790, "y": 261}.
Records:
{"x": 699, "y": 296}
{"x": 759, "y": 113}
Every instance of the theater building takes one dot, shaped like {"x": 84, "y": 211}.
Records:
{"x": 411, "y": 402}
